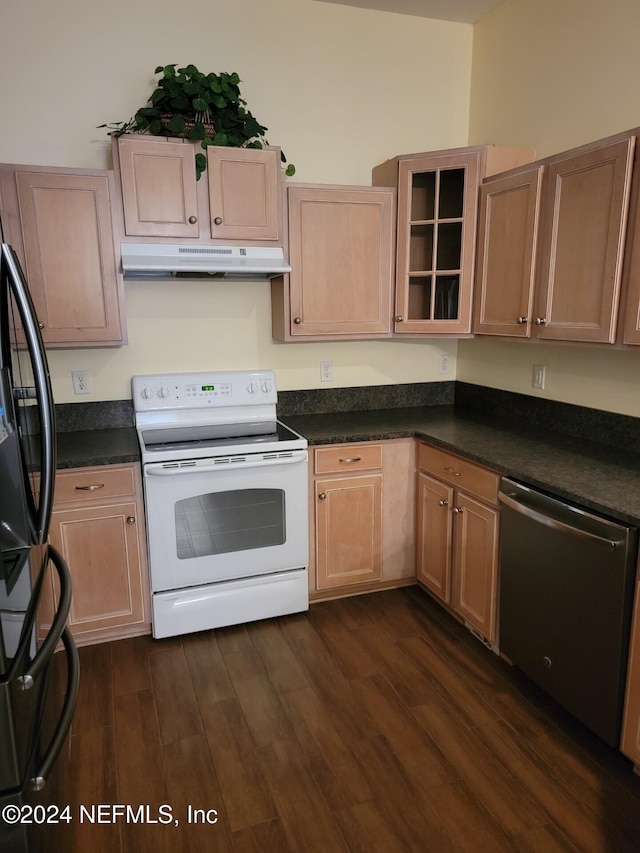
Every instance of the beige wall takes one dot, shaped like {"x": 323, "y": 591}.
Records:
{"x": 554, "y": 74}
{"x": 340, "y": 90}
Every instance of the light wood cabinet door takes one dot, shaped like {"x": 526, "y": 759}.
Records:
{"x": 457, "y": 536}
{"x": 507, "y": 242}
{"x": 102, "y": 537}
{"x": 348, "y": 530}
{"x": 630, "y": 743}
{"x": 158, "y": 179}
{"x": 244, "y": 186}
{"x": 60, "y": 224}
{"x": 434, "y": 535}
{"x": 341, "y": 255}
{"x": 582, "y": 235}
{"x": 475, "y": 564}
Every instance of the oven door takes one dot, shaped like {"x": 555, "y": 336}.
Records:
{"x": 225, "y": 518}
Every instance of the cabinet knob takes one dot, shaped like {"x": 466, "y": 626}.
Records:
{"x": 322, "y": 496}
{"x": 443, "y": 503}
{"x": 41, "y": 325}
{"x": 399, "y": 319}
{"x": 522, "y": 320}
{"x": 131, "y": 519}
{"x": 218, "y": 220}
{"x": 297, "y": 320}
{"x": 541, "y": 321}
{"x": 193, "y": 220}
{"x": 458, "y": 509}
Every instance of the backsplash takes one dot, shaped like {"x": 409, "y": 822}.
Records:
{"x": 522, "y": 411}
{"x": 320, "y": 401}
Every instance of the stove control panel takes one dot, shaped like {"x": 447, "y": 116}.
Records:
{"x": 154, "y": 392}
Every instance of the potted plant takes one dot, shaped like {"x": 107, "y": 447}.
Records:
{"x": 202, "y": 107}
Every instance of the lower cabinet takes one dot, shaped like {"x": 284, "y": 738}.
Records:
{"x": 630, "y": 744}
{"x": 457, "y": 523}
{"x": 98, "y": 526}
{"x": 361, "y": 512}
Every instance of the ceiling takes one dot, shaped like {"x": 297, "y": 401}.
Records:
{"x": 465, "y": 11}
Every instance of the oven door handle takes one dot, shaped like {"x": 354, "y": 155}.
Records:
{"x": 171, "y": 469}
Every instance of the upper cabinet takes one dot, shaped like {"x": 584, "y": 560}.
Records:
{"x": 551, "y": 245}
{"x": 341, "y": 243}
{"x": 237, "y": 199}
{"x": 436, "y": 233}
{"x": 60, "y": 224}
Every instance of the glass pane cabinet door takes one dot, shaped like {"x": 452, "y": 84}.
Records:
{"x": 436, "y": 223}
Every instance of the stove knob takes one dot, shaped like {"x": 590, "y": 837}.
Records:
{"x": 252, "y": 388}
{"x": 163, "y": 392}
{"x": 146, "y": 393}
{"x": 267, "y": 387}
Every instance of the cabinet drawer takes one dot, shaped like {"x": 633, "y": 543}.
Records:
{"x": 85, "y": 484}
{"x": 459, "y": 472}
{"x": 339, "y": 459}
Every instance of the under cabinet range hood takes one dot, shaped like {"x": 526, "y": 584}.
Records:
{"x": 157, "y": 260}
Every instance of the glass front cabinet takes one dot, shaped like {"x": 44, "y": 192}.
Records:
{"x": 437, "y": 218}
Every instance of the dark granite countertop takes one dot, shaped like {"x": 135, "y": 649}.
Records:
{"x": 97, "y": 447}
{"x": 598, "y": 477}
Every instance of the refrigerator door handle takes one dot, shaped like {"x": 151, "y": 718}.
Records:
{"x": 39, "y": 779}
{"x": 48, "y": 647}
{"x": 42, "y": 384}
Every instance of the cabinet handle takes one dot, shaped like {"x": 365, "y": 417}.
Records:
{"x": 322, "y": 496}
{"x": 297, "y": 320}
{"x": 131, "y": 519}
{"x": 399, "y": 319}
{"x": 92, "y": 488}
{"x": 451, "y": 471}
{"x": 41, "y": 325}
{"x": 541, "y": 321}
{"x": 522, "y": 320}
{"x": 443, "y": 503}
{"x": 458, "y": 509}
{"x": 193, "y": 220}
{"x": 218, "y": 220}
{"x": 351, "y": 459}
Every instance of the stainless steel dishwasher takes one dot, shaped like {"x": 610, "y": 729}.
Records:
{"x": 566, "y": 593}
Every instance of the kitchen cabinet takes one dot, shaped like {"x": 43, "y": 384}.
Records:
{"x": 238, "y": 197}
{"x": 361, "y": 517}
{"x": 98, "y": 525}
{"x": 60, "y": 224}
{"x": 630, "y": 743}
{"x": 507, "y": 241}
{"x": 341, "y": 252}
{"x": 571, "y": 253}
{"x": 436, "y": 232}
{"x": 457, "y": 521}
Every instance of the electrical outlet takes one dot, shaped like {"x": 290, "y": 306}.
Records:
{"x": 444, "y": 363}
{"x": 538, "y": 376}
{"x": 326, "y": 371}
{"x": 80, "y": 381}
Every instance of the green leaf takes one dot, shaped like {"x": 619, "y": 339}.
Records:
{"x": 176, "y": 124}
{"x": 200, "y": 105}
{"x": 196, "y": 132}
{"x": 155, "y": 127}
{"x": 206, "y": 142}
{"x": 220, "y": 139}
{"x": 169, "y": 71}
{"x": 290, "y": 170}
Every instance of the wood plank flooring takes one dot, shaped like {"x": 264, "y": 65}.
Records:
{"x": 374, "y": 723}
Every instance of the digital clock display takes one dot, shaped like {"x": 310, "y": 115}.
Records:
{"x": 208, "y": 387}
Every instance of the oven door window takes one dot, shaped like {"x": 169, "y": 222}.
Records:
{"x": 235, "y": 520}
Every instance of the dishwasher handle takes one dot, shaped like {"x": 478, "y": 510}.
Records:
{"x": 554, "y": 523}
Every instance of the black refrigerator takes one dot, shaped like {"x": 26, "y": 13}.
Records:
{"x": 36, "y": 702}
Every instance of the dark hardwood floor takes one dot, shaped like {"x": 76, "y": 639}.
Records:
{"x": 374, "y": 723}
